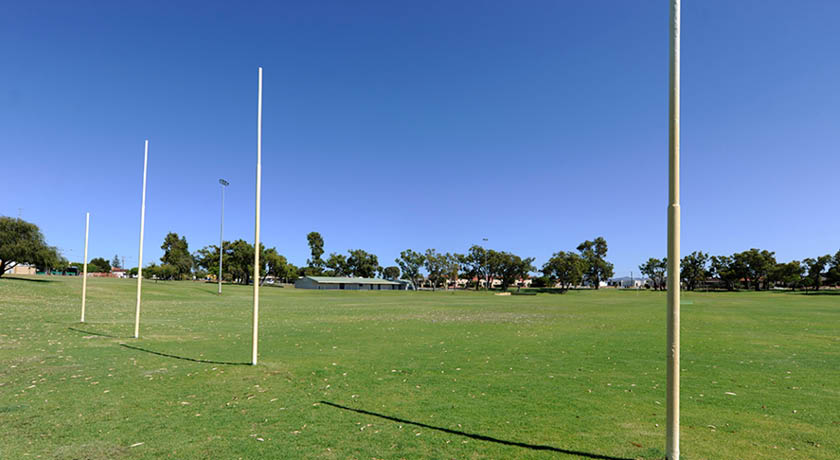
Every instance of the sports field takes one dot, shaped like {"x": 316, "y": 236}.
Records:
{"x": 391, "y": 375}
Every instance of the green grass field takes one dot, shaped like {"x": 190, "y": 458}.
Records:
{"x": 391, "y": 375}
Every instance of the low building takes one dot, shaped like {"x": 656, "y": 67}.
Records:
{"x": 355, "y": 284}
{"x": 22, "y": 269}
{"x": 627, "y": 282}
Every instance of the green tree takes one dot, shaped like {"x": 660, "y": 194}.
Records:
{"x": 168, "y": 272}
{"x": 435, "y": 265}
{"x": 725, "y": 269}
{"x": 693, "y": 269}
{"x": 274, "y": 263}
{"x": 99, "y": 265}
{"x": 596, "y": 267}
{"x": 656, "y": 270}
{"x": 290, "y": 273}
{"x": 410, "y": 263}
{"x": 391, "y": 273}
{"x": 362, "y": 264}
{"x": 452, "y": 268}
{"x": 115, "y": 262}
{"x": 512, "y": 268}
{"x": 834, "y": 271}
{"x": 21, "y": 242}
{"x": 176, "y": 253}
{"x": 816, "y": 270}
{"x": 475, "y": 264}
{"x": 49, "y": 259}
{"x": 788, "y": 275}
{"x": 337, "y": 265}
{"x": 316, "y": 246}
{"x": 564, "y": 268}
{"x": 754, "y": 267}
{"x": 240, "y": 261}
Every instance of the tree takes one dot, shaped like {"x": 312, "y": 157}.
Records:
{"x": 754, "y": 267}
{"x": 410, "y": 263}
{"x": 726, "y": 270}
{"x": 240, "y": 261}
{"x": 436, "y": 265}
{"x": 693, "y": 269}
{"x": 168, "y": 272}
{"x": 475, "y": 264}
{"x": 48, "y": 259}
{"x": 115, "y": 262}
{"x": 391, "y": 273}
{"x": 513, "y": 268}
{"x": 788, "y": 275}
{"x": 816, "y": 270}
{"x": 290, "y": 273}
{"x": 99, "y": 265}
{"x": 362, "y": 264}
{"x": 337, "y": 265}
{"x": 834, "y": 271}
{"x": 176, "y": 253}
{"x": 316, "y": 246}
{"x": 151, "y": 271}
{"x": 565, "y": 268}
{"x": 596, "y": 267}
{"x": 21, "y": 242}
{"x": 274, "y": 263}
{"x": 452, "y": 268}
{"x": 656, "y": 270}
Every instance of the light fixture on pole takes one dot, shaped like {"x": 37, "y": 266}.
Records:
{"x": 224, "y": 184}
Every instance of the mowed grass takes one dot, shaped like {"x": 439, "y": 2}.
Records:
{"x": 460, "y": 375}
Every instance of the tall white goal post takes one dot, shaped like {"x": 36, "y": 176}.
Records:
{"x": 140, "y": 257}
{"x": 672, "y": 434}
{"x": 84, "y": 269}
{"x": 256, "y": 319}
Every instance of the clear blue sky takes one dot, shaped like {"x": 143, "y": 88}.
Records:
{"x": 393, "y": 125}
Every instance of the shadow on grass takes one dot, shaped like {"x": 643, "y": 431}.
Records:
{"x": 826, "y": 292}
{"x": 31, "y": 280}
{"x": 479, "y": 437}
{"x": 548, "y": 290}
{"x": 184, "y": 358}
{"x": 100, "y": 334}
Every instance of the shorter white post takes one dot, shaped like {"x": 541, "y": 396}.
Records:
{"x": 140, "y": 258}
{"x": 84, "y": 270}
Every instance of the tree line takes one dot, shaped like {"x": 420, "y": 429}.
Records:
{"x": 753, "y": 269}
{"x": 22, "y": 242}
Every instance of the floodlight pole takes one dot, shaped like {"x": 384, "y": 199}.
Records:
{"x": 224, "y": 184}
{"x": 84, "y": 270}
{"x": 140, "y": 257}
{"x": 672, "y": 447}
{"x": 256, "y": 319}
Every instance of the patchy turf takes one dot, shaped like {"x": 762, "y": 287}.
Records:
{"x": 410, "y": 374}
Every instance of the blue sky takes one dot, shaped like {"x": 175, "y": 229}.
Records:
{"x": 394, "y": 125}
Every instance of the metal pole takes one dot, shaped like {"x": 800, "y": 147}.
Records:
{"x": 672, "y": 448}
{"x": 140, "y": 257}
{"x": 256, "y": 319}
{"x": 84, "y": 270}
{"x": 224, "y": 184}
